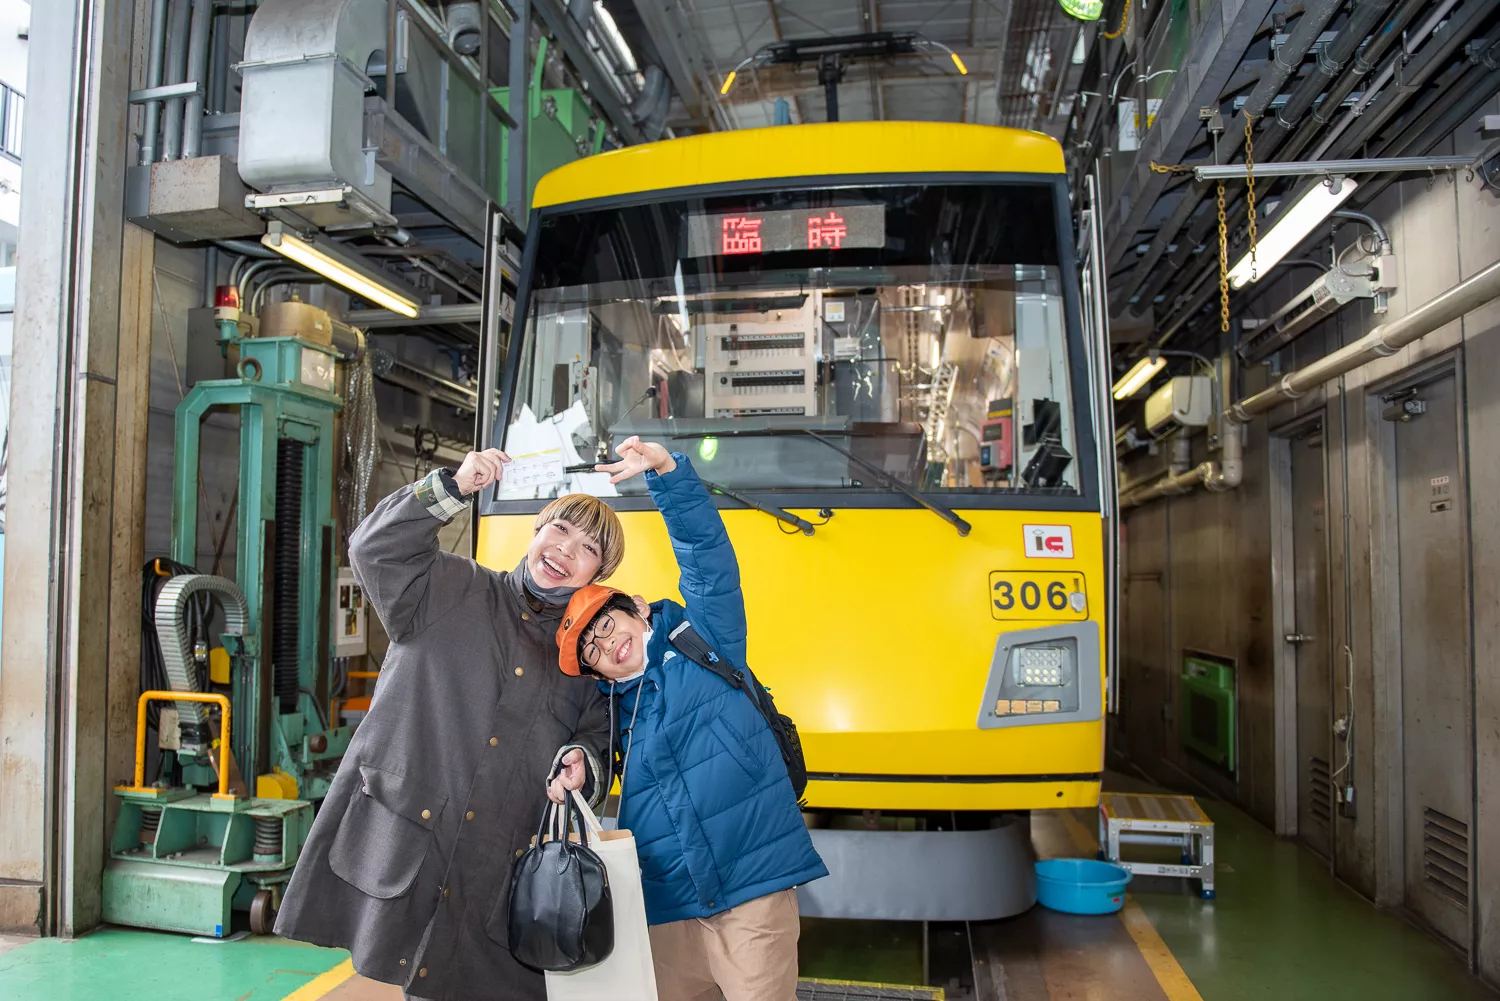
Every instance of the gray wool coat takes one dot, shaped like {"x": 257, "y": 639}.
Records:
{"x": 408, "y": 863}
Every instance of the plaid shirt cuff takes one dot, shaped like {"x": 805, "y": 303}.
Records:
{"x": 438, "y": 492}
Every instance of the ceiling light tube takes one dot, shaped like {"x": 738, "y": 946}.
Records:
{"x": 339, "y": 266}
{"x": 1290, "y": 230}
{"x": 1141, "y": 373}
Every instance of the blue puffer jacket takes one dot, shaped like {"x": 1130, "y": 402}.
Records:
{"x": 706, "y": 792}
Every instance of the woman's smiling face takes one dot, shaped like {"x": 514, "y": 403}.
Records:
{"x": 561, "y": 555}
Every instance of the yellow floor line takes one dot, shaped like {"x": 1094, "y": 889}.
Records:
{"x": 1164, "y": 966}
{"x": 323, "y": 983}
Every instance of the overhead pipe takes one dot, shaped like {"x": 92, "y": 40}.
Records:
{"x": 171, "y": 143}
{"x": 1363, "y": 20}
{"x": 1288, "y": 60}
{"x": 1382, "y": 342}
{"x": 1422, "y": 66}
{"x": 197, "y": 61}
{"x": 156, "y": 55}
{"x": 1365, "y": 60}
{"x": 1457, "y": 29}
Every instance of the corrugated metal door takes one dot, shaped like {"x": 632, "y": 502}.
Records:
{"x": 1437, "y": 740}
{"x": 1309, "y": 641}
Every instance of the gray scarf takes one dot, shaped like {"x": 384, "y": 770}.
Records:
{"x": 554, "y": 596}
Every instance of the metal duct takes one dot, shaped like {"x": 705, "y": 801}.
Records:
{"x": 464, "y": 28}
{"x": 302, "y": 107}
{"x": 654, "y": 102}
{"x": 156, "y": 56}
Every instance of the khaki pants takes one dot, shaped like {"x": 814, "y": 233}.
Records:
{"x": 748, "y": 953}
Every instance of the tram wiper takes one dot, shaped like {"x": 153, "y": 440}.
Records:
{"x": 945, "y": 513}
{"x": 805, "y": 527}
{"x": 895, "y": 483}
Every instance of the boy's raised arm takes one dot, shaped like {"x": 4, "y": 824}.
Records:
{"x": 408, "y": 579}
{"x": 710, "y": 582}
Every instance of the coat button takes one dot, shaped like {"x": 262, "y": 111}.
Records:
{"x": 426, "y": 814}
{"x": 403, "y": 962}
{"x": 422, "y": 972}
{"x": 525, "y": 616}
{"x": 520, "y": 852}
{"x": 520, "y": 671}
{"x": 494, "y": 741}
{"x": 445, "y": 893}
{"x": 469, "y": 815}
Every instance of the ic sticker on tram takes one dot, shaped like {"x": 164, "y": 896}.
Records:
{"x": 1048, "y": 542}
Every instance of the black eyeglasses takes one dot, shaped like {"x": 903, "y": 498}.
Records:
{"x": 602, "y": 627}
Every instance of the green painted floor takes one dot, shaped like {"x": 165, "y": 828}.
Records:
{"x": 121, "y": 965}
{"x": 1279, "y": 929}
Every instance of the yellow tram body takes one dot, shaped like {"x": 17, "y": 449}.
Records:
{"x": 877, "y": 633}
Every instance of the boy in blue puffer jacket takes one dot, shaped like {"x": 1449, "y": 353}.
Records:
{"x": 704, "y": 788}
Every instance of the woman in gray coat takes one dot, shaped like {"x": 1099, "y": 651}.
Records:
{"x": 408, "y": 863}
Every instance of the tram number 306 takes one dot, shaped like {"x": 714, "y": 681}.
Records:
{"x": 1028, "y": 595}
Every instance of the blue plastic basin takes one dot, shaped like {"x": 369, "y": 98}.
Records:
{"x": 1081, "y": 885}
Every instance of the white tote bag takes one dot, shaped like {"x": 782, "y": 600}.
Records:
{"x": 627, "y": 975}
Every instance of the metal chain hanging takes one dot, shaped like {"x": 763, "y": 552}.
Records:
{"x": 1223, "y": 265}
{"x": 1250, "y": 183}
{"x": 1124, "y": 21}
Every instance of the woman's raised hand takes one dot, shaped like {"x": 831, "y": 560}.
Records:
{"x": 479, "y": 470}
{"x": 637, "y": 457}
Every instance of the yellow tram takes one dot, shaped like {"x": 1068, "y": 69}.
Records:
{"x": 870, "y": 339}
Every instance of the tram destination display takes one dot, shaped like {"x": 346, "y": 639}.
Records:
{"x": 839, "y": 227}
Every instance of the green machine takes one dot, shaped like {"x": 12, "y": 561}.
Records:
{"x": 184, "y": 856}
{"x": 557, "y": 130}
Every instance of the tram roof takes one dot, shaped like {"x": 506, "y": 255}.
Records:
{"x": 852, "y": 149}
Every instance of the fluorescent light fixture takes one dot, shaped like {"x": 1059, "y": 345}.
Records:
{"x": 338, "y": 265}
{"x": 962, "y": 69}
{"x": 1140, "y": 374}
{"x": 728, "y": 82}
{"x": 937, "y": 353}
{"x": 1290, "y": 230}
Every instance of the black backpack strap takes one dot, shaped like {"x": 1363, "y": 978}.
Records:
{"x": 695, "y": 648}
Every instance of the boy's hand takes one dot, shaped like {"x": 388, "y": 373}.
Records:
{"x": 570, "y": 779}
{"x": 479, "y": 470}
{"x": 637, "y": 457}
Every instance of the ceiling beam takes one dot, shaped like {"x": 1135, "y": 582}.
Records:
{"x": 675, "y": 41}
{"x": 1222, "y": 41}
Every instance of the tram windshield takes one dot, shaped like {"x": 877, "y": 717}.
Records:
{"x": 801, "y": 341}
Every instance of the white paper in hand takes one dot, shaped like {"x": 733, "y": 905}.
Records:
{"x": 524, "y": 475}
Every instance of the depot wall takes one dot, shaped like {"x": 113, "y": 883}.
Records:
{"x": 1197, "y": 570}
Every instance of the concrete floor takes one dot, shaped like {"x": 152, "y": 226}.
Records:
{"x": 1280, "y": 928}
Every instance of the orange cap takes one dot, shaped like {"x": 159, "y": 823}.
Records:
{"x": 587, "y": 602}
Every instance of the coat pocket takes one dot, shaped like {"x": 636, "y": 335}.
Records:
{"x": 385, "y": 834}
{"x": 740, "y": 750}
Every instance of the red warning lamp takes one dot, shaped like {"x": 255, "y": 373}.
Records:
{"x": 227, "y": 296}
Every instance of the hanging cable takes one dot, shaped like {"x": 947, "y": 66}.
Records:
{"x": 361, "y": 444}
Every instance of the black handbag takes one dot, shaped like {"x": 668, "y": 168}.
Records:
{"x": 561, "y": 916}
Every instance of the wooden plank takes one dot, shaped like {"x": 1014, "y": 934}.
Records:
{"x": 128, "y": 537}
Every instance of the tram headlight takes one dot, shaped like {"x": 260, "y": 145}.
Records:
{"x": 1040, "y": 679}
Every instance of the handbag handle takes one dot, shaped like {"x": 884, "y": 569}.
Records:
{"x": 586, "y": 814}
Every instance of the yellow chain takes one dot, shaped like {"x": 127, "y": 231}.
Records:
{"x": 1124, "y": 20}
{"x": 1250, "y": 182}
{"x": 1223, "y": 265}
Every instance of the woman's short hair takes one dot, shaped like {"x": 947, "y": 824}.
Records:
{"x": 593, "y": 518}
